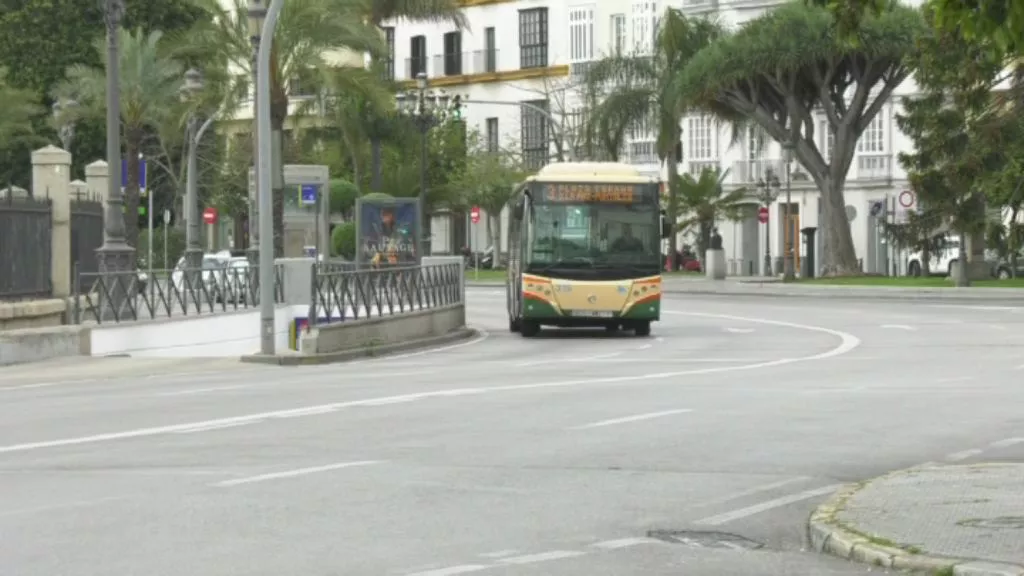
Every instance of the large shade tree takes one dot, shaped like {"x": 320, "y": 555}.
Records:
{"x": 642, "y": 88}
{"x": 309, "y": 38}
{"x": 16, "y": 113}
{"x": 782, "y": 67}
{"x": 151, "y": 83}
{"x": 959, "y": 138}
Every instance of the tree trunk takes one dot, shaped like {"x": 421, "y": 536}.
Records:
{"x": 962, "y": 278}
{"x": 672, "y": 174}
{"x": 494, "y": 232}
{"x": 133, "y": 145}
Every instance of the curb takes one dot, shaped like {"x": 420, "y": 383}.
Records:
{"x": 769, "y": 289}
{"x": 464, "y": 333}
{"x": 827, "y": 535}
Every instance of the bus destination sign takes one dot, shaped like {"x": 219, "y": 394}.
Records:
{"x": 582, "y": 193}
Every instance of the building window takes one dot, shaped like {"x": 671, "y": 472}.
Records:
{"x": 533, "y": 38}
{"x": 755, "y": 142}
{"x": 617, "y": 33}
{"x": 418, "y": 53}
{"x": 642, "y": 141}
{"x": 389, "y": 62}
{"x": 490, "y": 50}
{"x": 303, "y": 84}
{"x": 645, "y": 25}
{"x": 699, "y": 139}
{"x": 828, "y": 139}
{"x": 581, "y": 34}
{"x": 534, "y": 134}
{"x": 872, "y": 140}
{"x": 453, "y": 54}
{"x": 492, "y": 135}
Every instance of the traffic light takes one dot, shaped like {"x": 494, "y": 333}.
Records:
{"x": 457, "y": 107}
{"x": 143, "y": 218}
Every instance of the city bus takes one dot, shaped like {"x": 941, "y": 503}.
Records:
{"x": 584, "y": 249}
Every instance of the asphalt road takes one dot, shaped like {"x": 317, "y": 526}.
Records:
{"x": 553, "y": 456}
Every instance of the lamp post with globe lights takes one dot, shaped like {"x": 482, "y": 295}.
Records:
{"x": 768, "y": 190}
{"x": 65, "y": 125}
{"x": 115, "y": 255}
{"x": 257, "y": 14}
{"x": 426, "y": 110}
{"x": 193, "y": 253}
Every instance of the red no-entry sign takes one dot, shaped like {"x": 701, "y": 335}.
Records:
{"x": 474, "y": 214}
{"x": 210, "y": 215}
{"x": 762, "y": 214}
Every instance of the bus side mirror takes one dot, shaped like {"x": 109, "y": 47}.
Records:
{"x": 666, "y": 228}
{"x": 517, "y": 209}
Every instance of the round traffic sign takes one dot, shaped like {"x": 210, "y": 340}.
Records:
{"x": 474, "y": 214}
{"x": 762, "y": 214}
{"x": 210, "y": 215}
{"x": 907, "y": 199}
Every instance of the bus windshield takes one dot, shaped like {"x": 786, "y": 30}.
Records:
{"x": 594, "y": 235}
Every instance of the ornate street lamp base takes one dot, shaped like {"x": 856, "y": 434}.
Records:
{"x": 115, "y": 257}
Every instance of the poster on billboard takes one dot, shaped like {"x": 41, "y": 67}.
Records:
{"x": 386, "y": 231}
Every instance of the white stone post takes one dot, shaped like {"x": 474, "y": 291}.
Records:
{"x": 96, "y": 177}
{"x": 51, "y": 178}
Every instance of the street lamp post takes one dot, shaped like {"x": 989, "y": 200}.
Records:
{"x": 768, "y": 188}
{"x": 66, "y": 127}
{"x": 193, "y": 252}
{"x": 426, "y": 110}
{"x": 257, "y": 12}
{"x": 115, "y": 255}
{"x": 789, "y": 234}
{"x": 264, "y": 158}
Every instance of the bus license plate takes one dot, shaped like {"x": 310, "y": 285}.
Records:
{"x": 593, "y": 313}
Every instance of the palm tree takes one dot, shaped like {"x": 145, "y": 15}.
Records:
{"x": 644, "y": 87}
{"x": 16, "y": 114}
{"x": 418, "y": 11}
{"x": 703, "y": 202}
{"x": 151, "y": 83}
{"x": 308, "y": 37}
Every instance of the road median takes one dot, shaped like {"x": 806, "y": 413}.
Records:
{"x": 964, "y": 520}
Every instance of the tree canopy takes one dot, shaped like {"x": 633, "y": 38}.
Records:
{"x": 644, "y": 92}
{"x": 781, "y": 68}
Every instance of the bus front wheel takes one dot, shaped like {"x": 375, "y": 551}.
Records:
{"x": 529, "y": 328}
{"x": 642, "y": 328}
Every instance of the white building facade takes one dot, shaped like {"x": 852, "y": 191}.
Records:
{"x": 516, "y": 56}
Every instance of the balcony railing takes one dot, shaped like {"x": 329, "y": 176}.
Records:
{"x": 696, "y": 167}
{"x": 874, "y": 166}
{"x": 452, "y": 64}
{"x": 750, "y": 171}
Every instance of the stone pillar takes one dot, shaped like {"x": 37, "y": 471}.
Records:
{"x": 96, "y": 177}
{"x": 51, "y": 177}
{"x": 79, "y": 190}
{"x": 714, "y": 262}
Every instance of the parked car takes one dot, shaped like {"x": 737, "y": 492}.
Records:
{"x": 1003, "y": 267}
{"x": 232, "y": 282}
{"x": 940, "y": 262}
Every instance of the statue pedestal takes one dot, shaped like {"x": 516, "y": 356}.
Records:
{"x": 714, "y": 262}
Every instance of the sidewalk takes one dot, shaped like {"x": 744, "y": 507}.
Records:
{"x": 752, "y": 286}
{"x": 963, "y": 520}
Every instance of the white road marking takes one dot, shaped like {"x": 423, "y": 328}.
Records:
{"x": 998, "y": 327}
{"x": 542, "y": 557}
{"x": 623, "y": 543}
{"x": 1007, "y": 443}
{"x": 627, "y": 419}
{"x": 963, "y": 454}
{"x": 899, "y": 327}
{"x": 219, "y": 426}
{"x": 739, "y": 330}
{"x": 848, "y": 342}
{"x": 569, "y": 360}
{"x": 499, "y": 554}
{"x": 726, "y": 517}
{"x": 954, "y": 379}
{"x": 452, "y": 570}
{"x": 294, "y": 473}
{"x": 754, "y": 490}
{"x": 1021, "y": 367}
{"x": 192, "y": 391}
{"x": 47, "y": 384}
